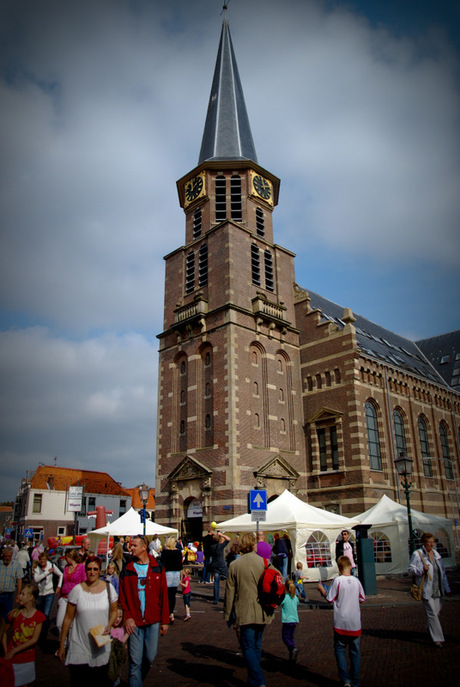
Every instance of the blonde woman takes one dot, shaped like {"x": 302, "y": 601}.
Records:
{"x": 171, "y": 559}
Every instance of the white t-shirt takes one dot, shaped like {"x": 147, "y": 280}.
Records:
{"x": 92, "y": 610}
{"x": 346, "y": 592}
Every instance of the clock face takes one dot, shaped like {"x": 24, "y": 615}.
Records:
{"x": 193, "y": 188}
{"x": 262, "y": 187}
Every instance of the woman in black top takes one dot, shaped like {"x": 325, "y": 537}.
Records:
{"x": 171, "y": 559}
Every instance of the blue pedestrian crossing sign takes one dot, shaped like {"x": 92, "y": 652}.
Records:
{"x": 28, "y": 533}
{"x": 257, "y": 500}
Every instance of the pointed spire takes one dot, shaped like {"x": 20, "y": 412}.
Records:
{"x": 227, "y": 133}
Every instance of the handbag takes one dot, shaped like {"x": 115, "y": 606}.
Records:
{"x": 416, "y": 590}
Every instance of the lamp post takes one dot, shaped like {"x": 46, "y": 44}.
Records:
{"x": 404, "y": 469}
{"x": 144, "y": 491}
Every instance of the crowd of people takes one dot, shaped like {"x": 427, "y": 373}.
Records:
{"x": 110, "y": 623}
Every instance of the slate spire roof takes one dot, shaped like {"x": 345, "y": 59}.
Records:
{"x": 227, "y": 133}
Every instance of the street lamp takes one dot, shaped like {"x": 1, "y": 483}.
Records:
{"x": 144, "y": 491}
{"x": 404, "y": 469}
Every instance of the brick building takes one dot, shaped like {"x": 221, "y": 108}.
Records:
{"x": 262, "y": 383}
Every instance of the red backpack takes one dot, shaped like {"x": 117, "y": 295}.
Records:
{"x": 271, "y": 588}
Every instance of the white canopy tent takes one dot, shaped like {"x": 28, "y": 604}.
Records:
{"x": 312, "y": 531}
{"x": 390, "y": 532}
{"x": 128, "y": 525}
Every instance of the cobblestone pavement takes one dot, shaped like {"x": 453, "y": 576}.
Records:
{"x": 395, "y": 647}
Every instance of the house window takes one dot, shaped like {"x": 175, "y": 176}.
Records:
{"x": 322, "y": 449}
{"x": 61, "y": 531}
{"x": 122, "y": 508}
{"x": 425, "y": 448}
{"x": 221, "y": 201}
{"x": 235, "y": 198}
{"x": 91, "y": 502}
{"x": 190, "y": 272}
{"x": 269, "y": 280}
{"x": 334, "y": 447}
{"x": 37, "y": 503}
{"x": 197, "y": 224}
{"x": 203, "y": 265}
{"x": 400, "y": 434}
{"x": 260, "y": 222}
{"x": 373, "y": 440}
{"x": 255, "y": 264}
{"x": 445, "y": 451}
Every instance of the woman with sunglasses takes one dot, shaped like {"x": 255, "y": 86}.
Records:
{"x": 90, "y": 603}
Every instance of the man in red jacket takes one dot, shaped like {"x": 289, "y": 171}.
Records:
{"x": 144, "y": 599}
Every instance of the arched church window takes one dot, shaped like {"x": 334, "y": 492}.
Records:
{"x": 190, "y": 272}
{"x": 424, "y": 447}
{"x": 400, "y": 434}
{"x": 183, "y": 367}
{"x": 197, "y": 223}
{"x": 182, "y": 426}
{"x": 318, "y": 550}
{"x": 221, "y": 199}
{"x": 373, "y": 438}
{"x": 256, "y": 420}
{"x": 260, "y": 222}
{"x": 207, "y": 390}
{"x": 255, "y": 389}
{"x": 283, "y": 425}
{"x": 255, "y": 264}
{"x": 235, "y": 198}
{"x": 445, "y": 451}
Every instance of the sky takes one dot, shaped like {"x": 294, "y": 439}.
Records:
{"x": 354, "y": 105}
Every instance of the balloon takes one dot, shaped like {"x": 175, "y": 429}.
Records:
{"x": 214, "y": 524}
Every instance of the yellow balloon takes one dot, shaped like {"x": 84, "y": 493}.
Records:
{"x": 214, "y": 524}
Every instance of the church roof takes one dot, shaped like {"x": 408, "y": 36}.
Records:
{"x": 443, "y": 351}
{"x": 227, "y": 133}
{"x": 378, "y": 342}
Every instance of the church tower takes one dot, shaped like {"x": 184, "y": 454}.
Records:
{"x": 229, "y": 398}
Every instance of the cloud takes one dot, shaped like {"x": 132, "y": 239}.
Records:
{"x": 102, "y": 110}
{"x": 91, "y": 403}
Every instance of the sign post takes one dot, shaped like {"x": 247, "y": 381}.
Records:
{"x": 74, "y": 499}
{"x": 257, "y": 506}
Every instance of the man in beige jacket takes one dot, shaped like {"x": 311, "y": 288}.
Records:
{"x": 242, "y": 607}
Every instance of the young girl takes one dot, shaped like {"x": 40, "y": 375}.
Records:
{"x": 186, "y": 590}
{"x": 119, "y": 649}
{"x": 27, "y": 625}
{"x": 290, "y": 618}
{"x": 111, "y": 575}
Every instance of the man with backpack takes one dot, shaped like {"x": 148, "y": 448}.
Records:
{"x": 242, "y": 606}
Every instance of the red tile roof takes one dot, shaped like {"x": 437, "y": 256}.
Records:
{"x": 60, "y": 479}
{"x": 136, "y": 500}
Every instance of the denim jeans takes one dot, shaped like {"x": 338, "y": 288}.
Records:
{"x": 251, "y": 643}
{"x": 206, "y": 575}
{"x": 142, "y": 648}
{"x": 287, "y": 635}
{"x": 283, "y": 565}
{"x": 340, "y": 647}
{"x": 301, "y": 590}
{"x": 44, "y": 604}
{"x": 217, "y": 577}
